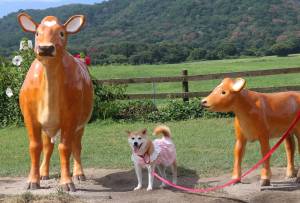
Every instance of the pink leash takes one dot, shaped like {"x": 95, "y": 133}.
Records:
{"x": 233, "y": 181}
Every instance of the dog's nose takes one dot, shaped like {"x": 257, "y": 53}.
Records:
{"x": 135, "y": 144}
{"x": 46, "y": 50}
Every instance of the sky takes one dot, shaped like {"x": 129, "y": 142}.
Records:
{"x": 8, "y": 6}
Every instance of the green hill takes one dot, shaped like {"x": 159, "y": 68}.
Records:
{"x": 146, "y": 31}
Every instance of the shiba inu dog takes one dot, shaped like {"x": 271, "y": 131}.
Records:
{"x": 149, "y": 154}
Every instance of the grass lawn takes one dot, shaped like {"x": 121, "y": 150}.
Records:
{"x": 203, "y": 67}
{"x": 203, "y": 145}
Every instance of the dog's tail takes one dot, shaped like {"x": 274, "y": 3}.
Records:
{"x": 162, "y": 129}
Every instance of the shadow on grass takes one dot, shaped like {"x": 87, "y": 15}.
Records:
{"x": 126, "y": 181}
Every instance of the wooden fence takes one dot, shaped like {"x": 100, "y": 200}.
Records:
{"x": 185, "y": 78}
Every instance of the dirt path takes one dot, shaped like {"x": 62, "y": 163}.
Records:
{"x": 116, "y": 186}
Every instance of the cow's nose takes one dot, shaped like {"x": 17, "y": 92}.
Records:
{"x": 46, "y": 50}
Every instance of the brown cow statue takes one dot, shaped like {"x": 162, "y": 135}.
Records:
{"x": 56, "y": 99}
{"x": 258, "y": 116}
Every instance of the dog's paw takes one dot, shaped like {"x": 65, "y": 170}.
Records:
{"x": 149, "y": 188}
{"x": 163, "y": 185}
{"x": 137, "y": 187}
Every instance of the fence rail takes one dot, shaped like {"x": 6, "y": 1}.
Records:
{"x": 185, "y": 78}
{"x": 205, "y": 93}
{"x": 275, "y": 71}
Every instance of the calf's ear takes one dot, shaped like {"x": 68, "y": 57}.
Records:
{"x": 238, "y": 84}
{"x": 27, "y": 23}
{"x": 74, "y": 24}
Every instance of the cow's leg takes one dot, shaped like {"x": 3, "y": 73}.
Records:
{"x": 65, "y": 149}
{"x": 290, "y": 151}
{"x": 266, "y": 170}
{"x": 35, "y": 148}
{"x": 78, "y": 173}
{"x": 239, "y": 151}
{"x": 47, "y": 151}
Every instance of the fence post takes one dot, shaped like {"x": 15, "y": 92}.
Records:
{"x": 154, "y": 92}
{"x": 185, "y": 85}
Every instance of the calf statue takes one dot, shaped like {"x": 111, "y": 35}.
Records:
{"x": 56, "y": 99}
{"x": 258, "y": 116}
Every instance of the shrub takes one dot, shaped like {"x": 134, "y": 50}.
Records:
{"x": 281, "y": 49}
{"x": 117, "y": 59}
{"x": 105, "y": 104}
{"x": 197, "y": 54}
{"x": 135, "y": 110}
{"x": 180, "y": 110}
{"x": 11, "y": 80}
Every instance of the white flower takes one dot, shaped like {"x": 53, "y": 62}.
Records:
{"x": 17, "y": 60}
{"x": 9, "y": 92}
{"x": 30, "y": 45}
{"x": 25, "y": 45}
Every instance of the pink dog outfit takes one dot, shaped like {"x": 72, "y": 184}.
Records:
{"x": 164, "y": 153}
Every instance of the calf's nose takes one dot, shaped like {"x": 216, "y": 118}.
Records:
{"x": 46, "y": 50}
{"x": 203, "y": 102}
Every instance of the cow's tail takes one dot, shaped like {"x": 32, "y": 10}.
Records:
{"x": 162, "y": 129}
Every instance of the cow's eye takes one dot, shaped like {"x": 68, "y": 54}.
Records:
{"x": 62, "y": 34}
{"x": 223, "y": 92}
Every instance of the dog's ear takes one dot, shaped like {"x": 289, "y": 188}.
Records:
{"x": 144, "y": 131}
{"x": 128, "y": 132}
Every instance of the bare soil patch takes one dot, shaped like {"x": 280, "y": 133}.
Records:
{"x": 104, "y": 185}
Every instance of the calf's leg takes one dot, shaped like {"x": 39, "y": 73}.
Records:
{"x": 290, "y": 151}
{"x": 35, "y": 148}
{"x": 47, "y": 151}
{"x": 239, "y": 151}
{"x": 76, "y": 150}
{"x": 266, "y": 170}
{"x": 65, "y": 149}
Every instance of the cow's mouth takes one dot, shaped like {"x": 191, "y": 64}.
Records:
{"x": 137, "y": 148}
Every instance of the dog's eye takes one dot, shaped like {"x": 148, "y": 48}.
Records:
{"x": 139, "y": 138}
{"x": 37, "y": 34}
{"x": 132, "y": 138}
{"x": 223, "y": 92}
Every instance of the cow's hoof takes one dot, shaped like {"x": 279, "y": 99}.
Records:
{"x": 68, "y": 187}
{"x": 45, "y": 178}
{"x": 265, "y": 182}
{"x": 80, "y": 177}
{"x": 33, "y": 186}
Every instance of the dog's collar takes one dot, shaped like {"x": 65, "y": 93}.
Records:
{"x": 144, "y": 158}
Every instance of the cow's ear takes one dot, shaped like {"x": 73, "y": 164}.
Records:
{"x": 238, "y": 84}
{"x": 74, "y": 24}
{"x": 27, "y": 23}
